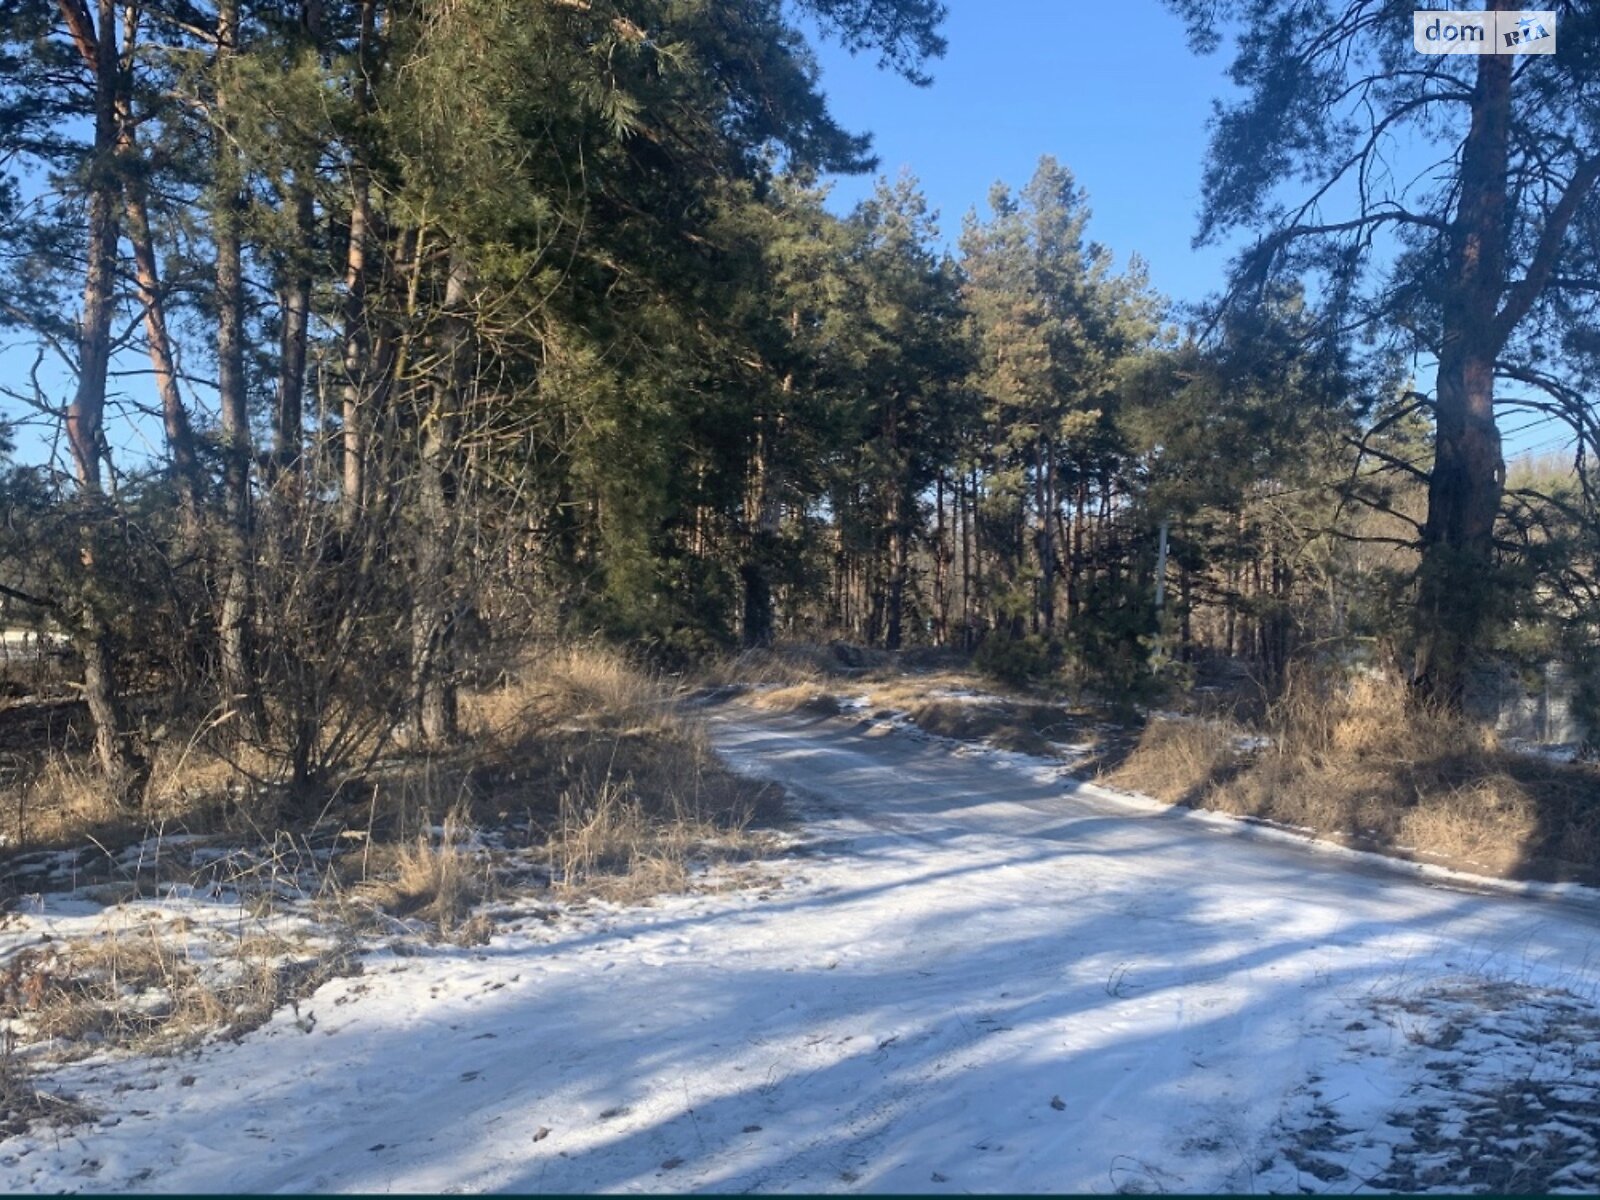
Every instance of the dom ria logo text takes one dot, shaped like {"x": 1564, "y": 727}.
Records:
{"x": 1526, "y": 31}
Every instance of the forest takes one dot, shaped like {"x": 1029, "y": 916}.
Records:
{"x": 563, "y": 628}
{"x": 370, "y": 338}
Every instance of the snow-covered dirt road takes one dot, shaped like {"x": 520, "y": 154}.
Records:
{"x": 968, "y": 977}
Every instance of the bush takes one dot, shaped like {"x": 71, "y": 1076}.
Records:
{"x": 1018, "y": 661}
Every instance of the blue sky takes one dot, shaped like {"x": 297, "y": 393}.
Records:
{"x": 1112, "y": 91}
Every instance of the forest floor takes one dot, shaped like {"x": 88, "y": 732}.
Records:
{"x": 962, "y": 970}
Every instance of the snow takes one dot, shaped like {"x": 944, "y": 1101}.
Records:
{"x": 1556, "y": 752}
{"x": 969, "y": 973}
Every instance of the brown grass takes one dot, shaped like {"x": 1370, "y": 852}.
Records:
{"x": 23, "y": 1103}
{"x": 608, "y": 842}
{"x": 144, "y": 990}
{"x": 589, "y": 687}
{"x": 604, "y": 773}
{"x": 578, "y": 774}
{"x": 434, "y": 877}
{"x": 59, "y": 799}
{"x": 815, "y": 699}
{"x": 1352, "y": 758}
{"x": 1027, "y": 727}
{"x": 1004, "y": 717}
{"x": 1358, "y": 760}
{"x": 1181, "y": 762}
{"x": 568, "y": 722}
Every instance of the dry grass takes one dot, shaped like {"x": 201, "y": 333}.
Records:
{"x": 435, "y": 877}
{"x": 815, "y": 699}
{"x": 1358, "y": 760}
{"x": 1020, "y": 725}
{"x": 602, "y": 771}
{"x": 567, "y": 722}
{"x": 1181, "y": 762}
{"x": 798, "y": 663}
{"x": 1353, "y": 758}
{"x": 578, "y": 774}
{"x": 608, "y": 842}
{"x": 931, "y": 700}
{"x": 23, "y": 1103}
{"x": 152, "y": 989}
{"x": 778, "y": 666}
{"x": 591, "y": 687}
{"x": 59, "y": 799}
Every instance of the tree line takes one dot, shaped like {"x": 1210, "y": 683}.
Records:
{"x": 423, "y": 325}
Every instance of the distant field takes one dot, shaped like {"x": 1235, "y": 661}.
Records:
{"x": 28, "y": 643}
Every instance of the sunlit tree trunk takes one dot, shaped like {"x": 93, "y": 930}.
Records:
{"x": 236, "y": 616}
{"x": 118, "y": 760}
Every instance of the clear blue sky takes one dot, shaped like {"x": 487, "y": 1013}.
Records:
{"x": 1112, "y": 91}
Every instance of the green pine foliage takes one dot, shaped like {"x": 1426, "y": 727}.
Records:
{"x": 550, "y": 327}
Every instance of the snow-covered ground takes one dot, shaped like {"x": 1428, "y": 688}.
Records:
{"x": 969, "y": 975}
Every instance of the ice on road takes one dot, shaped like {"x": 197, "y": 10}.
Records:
{"x": 965, "y": 977}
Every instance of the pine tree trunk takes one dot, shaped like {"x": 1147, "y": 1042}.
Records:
{"x": 289, "y": 416}
{"x": 762, "y": 521}
{"x": 122, "y": 766}
{"x": 1456, "y": 584}
{"x": 1044, "y": 494}
{"x": 237, "y": 615}
{"x": 942, "y": 557}
{"x": 972, "y": 565}
{"x": 899, "y": 543}
{"x": 185, "y": 465}
{"x": 357, "y": 335}
{"x": 175, "y": 417}
{"x": 356, "y": 346}
{"x": 1075, "y": 559}
{"x": 433, "y": 613}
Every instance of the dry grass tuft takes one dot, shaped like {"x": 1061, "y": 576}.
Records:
{"x": 586, "y": 686}
{"x": 603, "y": 772}
{"x": 608, "y": 841}
{"x": 23, "y": 1103}
{"x": 1369, "y": 718}
{"x": 147, "y": 990}
{"x": 784, "y": 666}
{"x": 436, "y": 876}
{"x": 802, "y": 663}
{"x": 1357, "y": 759}
{"x": 1180, "y": 762}
{"x": 1024, "y": 726}
{"x": 60, "y": 800}
{"x": 815, "y": 699}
